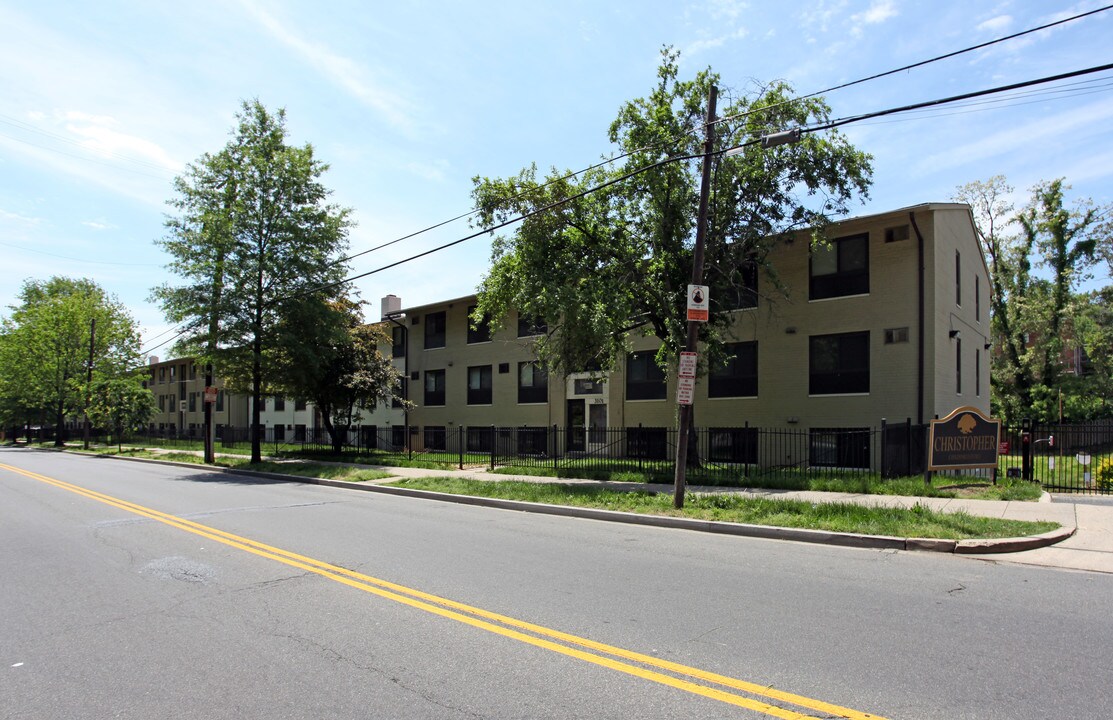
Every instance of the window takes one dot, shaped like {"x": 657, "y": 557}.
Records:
{"x": 173, "y": 373}
{"x": 299, "y": 433}
{"x": 193, "y": 371}
{"x": 742, "y": 294}
{"x": 434, "y": 387}
{"x": 587, "y": 386}
{"x": 896, "y": 234}
{"x": 649, "y": 443}
{"x": 530, "y": 326}
{"x": 299, "y": 405}
{"x": 434, "y": 330}
{"x": 958, "y": 365}
{"x": 220, "y": 401}
{"x": 644, "y": 378}
{"x": 162, "y": 374}
{"x": 478, "y": 332}
{"x": 978, "y": 373}
{"x": 896, "y": 335}
{"x": 732, "y": 445}
{"x": 162, "y": 403}
{"x": 839, "y": 447}
{"x": 279, "y": 402}
{"x": 839, "y": 364}
{"x": 533, "y": 383}
{"x": 398, "y": 341}
{"x": 398, "y": 436}
{"x": 533, "y": 440}
{"x": 479, "y": 385}
{"x": 193, "y": 402}
{"x": 279, "y": 433}
{"x": 840, "y": 268}
{"x": 480, "y": 439}
{"x": 977, "y": 298}
{"x": 736, "y": 376}
{"x": 435, "y": 438}
{"x": 958, "y": 278}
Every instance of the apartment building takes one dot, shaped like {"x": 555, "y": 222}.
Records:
{"x": 889, "y": 321}
{"x": 178, "y": 386}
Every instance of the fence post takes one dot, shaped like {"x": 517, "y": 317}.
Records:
{"x": 460, "y": 442}
{"x": 555, "y": 445}
{"x": 494, "y": 446}
{"x": 1026, "y": 449}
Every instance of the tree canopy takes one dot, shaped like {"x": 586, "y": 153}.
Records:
{"x": 45, "y": 345}
{"x": 253, "y": 238}
{"x": 1038, "y": 257}
{"x": 598, "y": 264}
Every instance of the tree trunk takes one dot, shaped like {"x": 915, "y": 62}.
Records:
{"x": 60, "y": 425}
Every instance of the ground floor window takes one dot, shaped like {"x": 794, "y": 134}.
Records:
{"x": 839, "y": 447}
{"x": 435, "y": 438}
{"x": 647, "y": 443}
{"x": 732, "y": 445}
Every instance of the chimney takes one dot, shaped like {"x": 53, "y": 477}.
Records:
{"x": 391, "y": 305}
{"x": 153, "y": 360}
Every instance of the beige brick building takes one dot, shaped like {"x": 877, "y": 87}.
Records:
{"x": 891, "y": 320}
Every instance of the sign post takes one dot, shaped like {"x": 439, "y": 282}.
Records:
{"x": 686, "y": 378}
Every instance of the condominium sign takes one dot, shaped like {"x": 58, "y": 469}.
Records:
{"x": 964, "y": 439}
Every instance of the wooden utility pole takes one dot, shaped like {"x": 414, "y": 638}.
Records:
{"x": 89, "y": 377}
{"x": 697, "y": 279}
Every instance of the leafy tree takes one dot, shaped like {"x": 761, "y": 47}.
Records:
{"x": 254, "y": 238}
{"x": 44, "y": 353}
{"x": 1033, "y": 311}
{"x": 599, "y": 264}
{"x": 333, "y": 360}
{"x": 121, "y": 405}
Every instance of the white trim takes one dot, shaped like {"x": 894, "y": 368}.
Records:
{"x": 838, "y": 297}
{"x": 865, "y": 394}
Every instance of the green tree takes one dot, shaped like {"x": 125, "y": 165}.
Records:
{"x": 253, "y": 238}
{"x": 333, "y": 360}
{"x": 598, "y": 265}
{"x": 1036, "y": 257}
{"x": 121, "y": 405}
{"x": 44, "y": 353}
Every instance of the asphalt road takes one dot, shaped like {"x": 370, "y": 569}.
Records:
{"x": 109, "y": 610}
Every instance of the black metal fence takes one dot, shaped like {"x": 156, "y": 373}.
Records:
{"x": 1062, "y": 457}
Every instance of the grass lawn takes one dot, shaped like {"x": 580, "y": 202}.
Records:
{"x": 300, "y": 469}
{"x": 918, "y": 522}
{"x": 941, "y": 486}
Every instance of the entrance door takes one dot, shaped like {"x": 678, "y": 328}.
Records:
{"x": 576, "y": 421}
{"x": 597, "y": 425}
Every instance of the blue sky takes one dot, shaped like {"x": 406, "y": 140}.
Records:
{"x": 102, "y": 104}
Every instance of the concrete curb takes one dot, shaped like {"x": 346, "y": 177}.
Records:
{"x": 769, "y": 532}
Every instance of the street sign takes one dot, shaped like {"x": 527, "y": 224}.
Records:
{"x": 210, "y": 394}
{"x": 698, "y": 303}
{"x": 685, "y": 390}
{"x": 688, "y": 362}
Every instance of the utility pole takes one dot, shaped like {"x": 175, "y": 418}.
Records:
{"x": 89, "y": 377}
{"x": 697, "y": 279}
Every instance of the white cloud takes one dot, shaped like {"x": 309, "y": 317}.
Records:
{"x": 98, "y": 225}
{"x": 12, "y": 217}
{"x": 342, "y": 71}
{"x": 878, "y": 12}
{"x": 427, "y": 171}
{"x": 99, "y": 139}
{"x": 1070, "y": 124}
{"x": 996, "y": 24}
{"x": 710, "y": 43}
{"x": 822, "y": 13}
{"x": 727, "y": 9}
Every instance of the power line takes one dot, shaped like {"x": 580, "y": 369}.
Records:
{"x": 638, "y": 171}
{"x": 956, "y": 98}
{"x": 673, "y": 140}
{"x": 941, "y": 57}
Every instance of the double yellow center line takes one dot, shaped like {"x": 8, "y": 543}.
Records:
{"x": 681, "y": 677}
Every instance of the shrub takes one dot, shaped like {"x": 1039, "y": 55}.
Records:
{"x": 1103, "y": 475}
